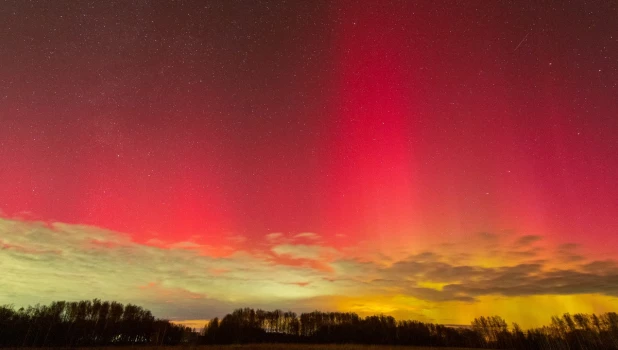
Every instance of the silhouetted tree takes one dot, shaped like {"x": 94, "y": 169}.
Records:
{"x": 84, "y": 323}
{"x": 104, "y": 323}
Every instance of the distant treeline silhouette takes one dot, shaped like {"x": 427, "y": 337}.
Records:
{"x": 97, "y": 323}
{"x": 85, "y": 323}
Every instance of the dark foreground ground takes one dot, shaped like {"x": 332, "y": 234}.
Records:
{"x": 323, "y": 347}
{"x": 270, "y": 346}
{"x": 320, "y": 347}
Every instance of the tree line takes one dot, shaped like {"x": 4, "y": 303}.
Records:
{"x": 85, "y": 323}
{"x": 568, "y": 332}
{"x": 101, "y": 323}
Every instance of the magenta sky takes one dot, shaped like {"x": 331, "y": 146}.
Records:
{"x": 313, "y": 138}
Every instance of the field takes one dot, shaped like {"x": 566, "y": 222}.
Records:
{"x": 322, "y": 347}
{"x": 267, "y": 347}
{"x": 280, "y": 346}
{"x": 288, "y": 346}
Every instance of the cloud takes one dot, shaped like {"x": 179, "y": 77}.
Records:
{"x": 186, "y": 245}
{"x": 301, "y": 284}
{"x": 527, "y": 240}
{"x": 603, "y": 266}
{"x": 303, "y": 251}
{"x": 307, "y": 235}
{"x": 274, "y": 236}
{"x": 41, "y": 263}
{"x": 470, "y": 282}
{"x": 45, "y": 262}
{"x": 567, "y": 253}
{"x": 568, "y": 246}
{"x": 558, "y": 282}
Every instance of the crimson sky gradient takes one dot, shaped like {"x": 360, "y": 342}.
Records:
{"x": 385, "y": 124}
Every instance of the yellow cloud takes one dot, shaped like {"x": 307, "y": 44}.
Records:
{"x": 432, "y": 285}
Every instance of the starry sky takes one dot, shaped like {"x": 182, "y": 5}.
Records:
{"x": 434, "y": 160}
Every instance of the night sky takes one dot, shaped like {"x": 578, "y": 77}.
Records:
{"x": 430, "y": 160}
